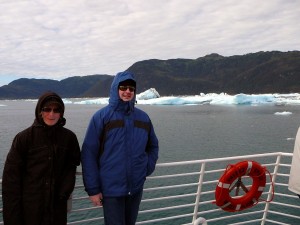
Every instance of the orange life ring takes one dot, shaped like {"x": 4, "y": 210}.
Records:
{"x": 236, "y": 172}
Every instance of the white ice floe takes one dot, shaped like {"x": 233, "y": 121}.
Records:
{"x": 152, "y": 97}
{"x": 284, "y": 113}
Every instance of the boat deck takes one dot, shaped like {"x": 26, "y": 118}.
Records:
{"x": 184, "y": 193}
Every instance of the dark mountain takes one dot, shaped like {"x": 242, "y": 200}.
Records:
{"x": 255, "y": 73}
{"x": 86, "y": 86}
{"x": 262, "y": 72}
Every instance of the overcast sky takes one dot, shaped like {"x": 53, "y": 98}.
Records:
{"x": 58, "y": 39}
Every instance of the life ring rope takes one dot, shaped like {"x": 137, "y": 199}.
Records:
{"x": 253, "y": 194}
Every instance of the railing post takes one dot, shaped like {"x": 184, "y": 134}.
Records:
{"x": 202, "y": 169}
{"x": 271, "y": 190}
{"x": 199, "y": 221}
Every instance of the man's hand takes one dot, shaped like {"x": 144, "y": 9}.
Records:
{"x": 96, "y": 199}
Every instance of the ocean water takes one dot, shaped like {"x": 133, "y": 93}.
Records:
{"x": 184, "y": 132}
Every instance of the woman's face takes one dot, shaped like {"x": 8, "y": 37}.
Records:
{"x": 51, "y": 114}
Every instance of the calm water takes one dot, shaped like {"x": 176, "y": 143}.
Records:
{"x": 184, "y": 132}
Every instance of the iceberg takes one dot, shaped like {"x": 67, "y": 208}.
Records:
{"x": 152, "y": 97}
{"x": 149, "y": 94}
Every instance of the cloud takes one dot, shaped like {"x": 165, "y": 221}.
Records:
{"x": 58, "y": 39}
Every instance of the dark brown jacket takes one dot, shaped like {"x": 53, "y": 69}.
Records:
{"x": 39, "y": 174}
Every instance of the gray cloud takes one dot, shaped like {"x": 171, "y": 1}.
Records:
{"x": 58, "y": 39}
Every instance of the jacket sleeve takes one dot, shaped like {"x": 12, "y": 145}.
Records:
{"x": 73, "y": 160}
{"x": 12, "y": 183}
{"x": 152, "y": 150}
{"x": 294, "y": 180}
{"x": 90, "y": 156}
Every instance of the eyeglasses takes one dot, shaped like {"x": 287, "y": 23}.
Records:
{"x": 48, "y": 110}
{"x": 124, "y": 88}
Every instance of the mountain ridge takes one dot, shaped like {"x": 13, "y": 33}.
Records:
{"x": 252, "y": 73}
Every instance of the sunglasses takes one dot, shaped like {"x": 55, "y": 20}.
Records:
{"x": 124, "y": 88}
{"x": 48, "y": 109}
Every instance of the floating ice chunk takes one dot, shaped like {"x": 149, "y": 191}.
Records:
{"x": 284, "y": 113}
{"x": 290, "y": 139}
{"x": 149, "y": 94}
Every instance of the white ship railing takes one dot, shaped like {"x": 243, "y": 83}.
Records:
{"x": 183, "y": 193}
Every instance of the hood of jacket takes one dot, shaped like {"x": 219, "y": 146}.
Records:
{"x": 114, "y": 99}
{"x": 49, "y": 97}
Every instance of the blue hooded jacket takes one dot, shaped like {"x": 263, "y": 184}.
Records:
{"x": 120, "y": 147}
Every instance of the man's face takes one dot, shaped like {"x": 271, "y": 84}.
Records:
{"x": 126, "y": 93}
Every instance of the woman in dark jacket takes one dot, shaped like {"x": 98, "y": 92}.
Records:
{"x": 39, "y": 172}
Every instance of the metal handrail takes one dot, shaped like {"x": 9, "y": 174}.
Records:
{"x": 183, "y": 193}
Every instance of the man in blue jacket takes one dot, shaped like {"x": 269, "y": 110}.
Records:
{"x": 119, "y": 151}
